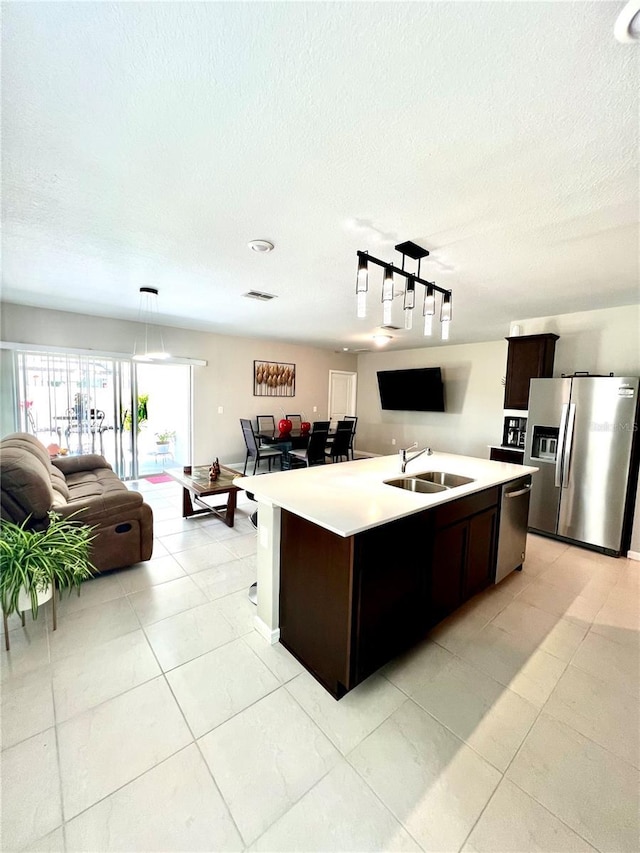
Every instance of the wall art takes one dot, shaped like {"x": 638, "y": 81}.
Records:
{"x": 274, "y": 379}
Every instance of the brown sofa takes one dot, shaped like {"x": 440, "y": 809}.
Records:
{"x": 32, "y": 484}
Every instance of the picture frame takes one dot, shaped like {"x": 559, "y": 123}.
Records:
{"x": 274, "y": 379}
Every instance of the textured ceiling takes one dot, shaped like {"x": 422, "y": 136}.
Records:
{"x": 147, "y": 143}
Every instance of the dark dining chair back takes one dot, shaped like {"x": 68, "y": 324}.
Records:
{"x": 354, "y": 421}
{"x": 339, "y": 447}
{"x": 313, "y": 454}
{"x": 254, "y": 450}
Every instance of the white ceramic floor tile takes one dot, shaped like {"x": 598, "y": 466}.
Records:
{"x": 564, "y": 602}
{"x": 356, "y": 715}
{"x": 238, "y": 611}
{"x": 597, "y": 710}
{"x": 188, "y": 635}
{"x": 92, "y": 627}
{"x": 91, "y": 676}
{"x": 265, "y": 759}
{"x": 107, "y": 746}
{"x": 619, "y": 618}
{"x": 546, "y": 550}
{"x": 491, "y": 719}
{"x": 617, "y": 664}
{"x": 513, "y": 822}
{"x": 281, "y": 662}
{"x": 53, "y": 842}
{"x": 218, "y": 685}
{"x": 226, "y": 578}
{"x": 26, "y": 706}
{"x": 587, "y": 787}
{"x": 549, "y": 632}
{"x": 166, "y": 599}
{"x": 580, "y": 575}
{"x": 433, "y": 783}
{"x": 187, "y": 813}
{"x": 176, "y": 542}
{"x": 29, "y": 650}
{"x": 243, "y": 546}
{"x": 204, "y": 557}
{"x": 339, "y": 814}
{"x": 30, "y": 791}
{"x": 514, "y": 662}
{"x": 93, "y": 592}
{"x": 454, "y": 632}
{"x": 153, "y": 572}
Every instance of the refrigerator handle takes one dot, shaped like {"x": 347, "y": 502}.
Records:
{"x": 560, "y": 447}
{"x": 567, "y": 447}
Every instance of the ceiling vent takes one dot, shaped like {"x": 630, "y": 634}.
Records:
{"x": 261, "y": 297}
{"x": 389, "y": 328}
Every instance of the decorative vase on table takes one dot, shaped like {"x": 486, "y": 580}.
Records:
{"x": 285, "y": 426}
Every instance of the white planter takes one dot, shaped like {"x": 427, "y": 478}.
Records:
{"x": 24, "y": 599}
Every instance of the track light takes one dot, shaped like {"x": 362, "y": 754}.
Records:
{"x": 417, "y": 253}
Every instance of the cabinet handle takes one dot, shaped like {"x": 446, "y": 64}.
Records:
{"x": 518, "y": 493}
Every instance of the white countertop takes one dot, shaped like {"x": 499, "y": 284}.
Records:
{"x": 349, "y": 497}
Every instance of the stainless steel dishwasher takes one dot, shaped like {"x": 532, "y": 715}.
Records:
{"x": 512, "y": 537}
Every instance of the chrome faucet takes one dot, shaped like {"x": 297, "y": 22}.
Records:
{"x": 403, "y": 455}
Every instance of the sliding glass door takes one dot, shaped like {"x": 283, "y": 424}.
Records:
{"x": 138, "y": 416}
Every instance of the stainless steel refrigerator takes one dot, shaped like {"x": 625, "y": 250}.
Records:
{"x": 581, "y": 434}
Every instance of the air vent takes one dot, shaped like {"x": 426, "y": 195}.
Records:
{"x": 261, "y": 297}
{"x": 389, "y": 328}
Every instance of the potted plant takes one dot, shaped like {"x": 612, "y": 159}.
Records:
{"x": 34, "y": 562}
{"x": 164, "y": 438}
{"x": 142, "y": 413}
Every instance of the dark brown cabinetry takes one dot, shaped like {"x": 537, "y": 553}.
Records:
{"x": 529, "y": 357}
{"x": 349, "y": 605}
{"x": 504, "y": 454}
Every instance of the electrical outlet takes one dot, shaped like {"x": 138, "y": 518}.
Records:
{"x": 220, "y": 410}
{"x": 393, "y": 441}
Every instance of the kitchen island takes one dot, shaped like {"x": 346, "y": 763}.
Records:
{"x": 352, "y": 570}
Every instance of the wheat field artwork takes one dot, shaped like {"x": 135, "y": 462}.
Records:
{"x": 272, "y": 379}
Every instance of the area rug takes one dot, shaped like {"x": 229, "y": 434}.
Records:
{"x": 159, "y": 478}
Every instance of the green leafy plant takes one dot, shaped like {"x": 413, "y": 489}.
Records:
{"x": 142, "y": 412}
{"x": 32, "y": 560}
{"x": 166, "y": 436}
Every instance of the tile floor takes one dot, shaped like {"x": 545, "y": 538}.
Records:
{"x": 155, "y": 718}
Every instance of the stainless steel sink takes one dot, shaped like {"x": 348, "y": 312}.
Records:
{"x": 413, "y": 484}
{"x": 442, "y": 478}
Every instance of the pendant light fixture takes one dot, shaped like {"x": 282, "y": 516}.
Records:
{"x": 411, "y": 250}
{"x": 149, "y": 345}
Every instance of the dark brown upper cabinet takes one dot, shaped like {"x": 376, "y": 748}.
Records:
{"x": 530, "y": 357}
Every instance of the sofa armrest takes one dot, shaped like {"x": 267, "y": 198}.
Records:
{"x": 103, "y": 508}
{"x": 74, "y": 464}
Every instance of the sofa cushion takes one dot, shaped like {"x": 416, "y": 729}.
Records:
{"x": 89, "y": 484}
{"x": 26, "y": 485}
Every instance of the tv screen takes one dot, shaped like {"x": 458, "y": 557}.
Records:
{"x": 416, "y": 390}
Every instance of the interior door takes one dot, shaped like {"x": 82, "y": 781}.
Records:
{"x": 342, "y": 394}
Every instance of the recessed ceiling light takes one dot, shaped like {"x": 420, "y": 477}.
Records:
{"x": 627, "y": 26}
{"x": 381, "y": 340}
{"x": 260, "y": 246}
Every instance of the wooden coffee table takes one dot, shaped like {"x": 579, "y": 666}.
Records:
{"x": 197, "y": 485}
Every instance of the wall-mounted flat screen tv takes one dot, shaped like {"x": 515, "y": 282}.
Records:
{"x": 416, "y": 390}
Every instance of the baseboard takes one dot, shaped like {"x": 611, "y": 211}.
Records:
{"x": 633, "y": 555}
{"x": 265, "y": 631}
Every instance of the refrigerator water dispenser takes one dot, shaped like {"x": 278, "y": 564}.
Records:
{"x": 544, "y": 445}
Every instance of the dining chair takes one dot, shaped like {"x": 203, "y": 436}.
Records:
{"x": 254, "y": 450}
{"x": 266, "y": 424}
{"x": 296, "y": 421}
{"x": 339, "y": 447}
{"x": 354, "y": 420}
{"x": 313, "y": 454}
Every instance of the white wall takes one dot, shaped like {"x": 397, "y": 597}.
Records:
{"x": 226, "y": 381}
{"x": 472, "y": 375}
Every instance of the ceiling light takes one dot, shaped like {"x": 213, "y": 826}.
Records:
{"x": 627, "y": 26}
{"x": 149, "y": 345}
{"x": 381, "y": 340}
{"x": 260, "y": 246}
{"x": 416, "y": 253}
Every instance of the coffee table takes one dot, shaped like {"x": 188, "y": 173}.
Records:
{"x": 197, "y": 485}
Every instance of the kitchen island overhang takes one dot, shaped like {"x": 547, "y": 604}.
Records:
{"x": 349, "y": 499}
